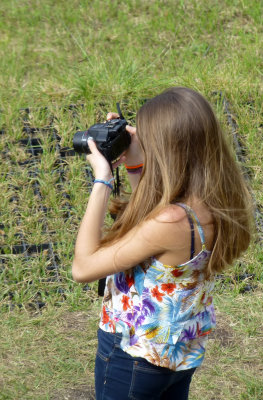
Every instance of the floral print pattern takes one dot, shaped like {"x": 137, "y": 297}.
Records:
{"x": 163, "y": 312}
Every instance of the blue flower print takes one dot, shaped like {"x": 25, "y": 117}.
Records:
{"x": 121, "y": 283}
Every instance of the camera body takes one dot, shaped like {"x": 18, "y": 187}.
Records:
{"x": 111, "y": 139}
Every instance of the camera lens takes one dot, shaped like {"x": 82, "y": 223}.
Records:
{"x": 80, "y": 142}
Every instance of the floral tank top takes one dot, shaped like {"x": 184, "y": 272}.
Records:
{"x": 163, "y": 312}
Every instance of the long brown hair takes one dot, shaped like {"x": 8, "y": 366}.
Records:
{"x": 187, "y": 156}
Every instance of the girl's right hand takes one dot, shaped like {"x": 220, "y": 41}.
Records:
{"x": 134, "y": 154}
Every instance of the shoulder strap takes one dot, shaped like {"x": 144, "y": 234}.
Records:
{"x": 191, "y": 214}
{"x": 191, "y": 222}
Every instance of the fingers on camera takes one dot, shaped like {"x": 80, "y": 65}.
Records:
{"x": 91, "y": 144}
{"x": 112, "y": 115}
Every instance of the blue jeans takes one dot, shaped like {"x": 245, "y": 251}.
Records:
{"x": 119, "y": 376}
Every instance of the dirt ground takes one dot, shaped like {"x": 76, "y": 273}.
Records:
{"x": 82, "y": 393}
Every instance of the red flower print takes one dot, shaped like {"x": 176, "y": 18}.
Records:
{"x": 176, "y": 273}
{"x": 112, "y": 326}
{"x": 202, "y": 298}
{"x": 168, "y": 287}
{"x": 129, "y": 280}
{"x": 105, "y": 317}
{"x": 157, "y": 294}
{"x": 199, "y": 331}
{"x": 125, "y": 302}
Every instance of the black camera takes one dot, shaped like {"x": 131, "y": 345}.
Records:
{"x": 111, "y": 139}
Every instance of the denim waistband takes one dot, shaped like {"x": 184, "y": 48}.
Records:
{"x": 114, "y": 338}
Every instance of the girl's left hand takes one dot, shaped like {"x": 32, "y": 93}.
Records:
{"x": 98, "y": 162}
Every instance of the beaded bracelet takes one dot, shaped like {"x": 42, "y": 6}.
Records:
{"x": 134, "y": 169}
{"x": 107, "y": 183}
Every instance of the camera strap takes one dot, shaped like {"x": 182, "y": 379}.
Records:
{"x": 119, "y": 111}
{"x": 117, "y": 183}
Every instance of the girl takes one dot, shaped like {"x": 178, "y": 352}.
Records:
{"x": 187, "y": 218}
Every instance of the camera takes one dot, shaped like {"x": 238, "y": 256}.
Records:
{"x": 111, "y": 139}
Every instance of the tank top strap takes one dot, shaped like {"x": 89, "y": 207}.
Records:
{"x": 190, "y": 212}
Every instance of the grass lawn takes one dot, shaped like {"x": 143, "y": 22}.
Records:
{"x": 63, "y": 66}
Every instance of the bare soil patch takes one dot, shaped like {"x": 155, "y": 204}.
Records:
{"x": 75, "y": 320}
{"x": 82, "y": 393}
{"x": 223, "y": 332}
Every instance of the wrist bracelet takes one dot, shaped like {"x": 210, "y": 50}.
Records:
{"x": 107, "y": 183}
{"x": 134, "y": 169}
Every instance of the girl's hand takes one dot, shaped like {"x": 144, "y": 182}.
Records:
{"x": 98, "y": 162}
{"x": 133, "y": 155}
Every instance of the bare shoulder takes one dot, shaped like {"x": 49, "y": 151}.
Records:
{"x": 175, "y": 228}
{"x": 171, "y": 213}
{"x": 176, "y": 213}
{"x": 168, "y": 227}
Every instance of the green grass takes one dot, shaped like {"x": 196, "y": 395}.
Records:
{"x": 93, "y": 54}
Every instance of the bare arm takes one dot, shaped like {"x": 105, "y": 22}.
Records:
{"x": 92, "y": 262}
{"x": 90, "y": 231}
